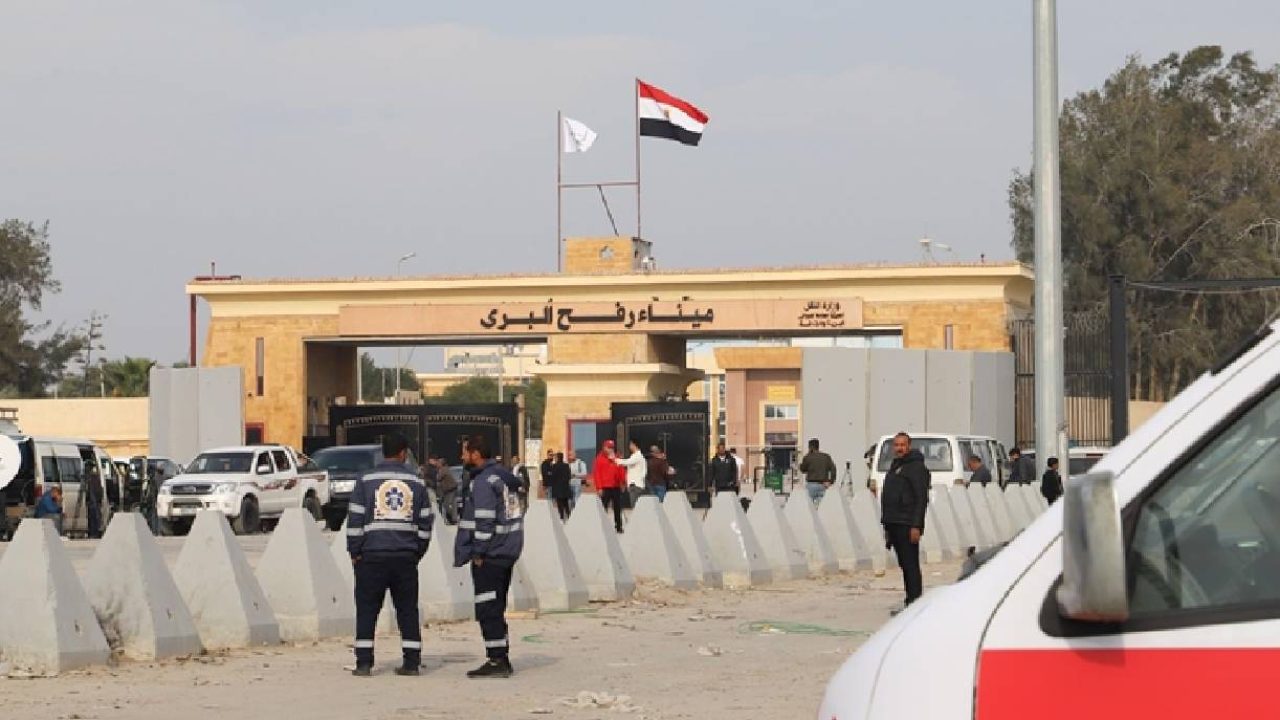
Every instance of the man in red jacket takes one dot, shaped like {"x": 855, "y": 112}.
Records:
{"x": 609, "y": 478}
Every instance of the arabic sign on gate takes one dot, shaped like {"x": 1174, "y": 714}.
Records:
{"x": 554, "y": 317}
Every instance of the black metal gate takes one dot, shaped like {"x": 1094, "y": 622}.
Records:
{"x": 1087, "y": 370}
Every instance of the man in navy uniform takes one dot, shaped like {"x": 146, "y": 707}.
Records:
{"x": 490, "y": 538}
{"x": 388, "y": 529}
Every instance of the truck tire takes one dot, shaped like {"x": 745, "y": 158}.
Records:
{"x": 311, "y": 504}
{"x": 249, "y": 522}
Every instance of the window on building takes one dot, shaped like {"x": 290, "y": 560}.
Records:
{"x": 775, "y": 411}
{"x": 259, "y": 364}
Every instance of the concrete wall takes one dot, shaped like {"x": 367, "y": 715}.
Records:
{"x": 854, "y": 396}
{"x": 119, "y": 425}
{"x": 193, "y": 409}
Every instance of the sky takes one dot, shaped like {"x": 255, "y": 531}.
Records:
{"x": 317, "y": 138}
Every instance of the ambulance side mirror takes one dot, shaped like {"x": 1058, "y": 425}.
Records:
{"x": 1093, "y": 587}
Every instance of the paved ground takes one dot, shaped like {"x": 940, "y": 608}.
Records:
{"x": 761, "y": 653}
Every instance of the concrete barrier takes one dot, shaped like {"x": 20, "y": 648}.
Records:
{"x": 521, "y": 597}
{"x": 982, "y": 514}
{"x": 846, "y": 538}
{"x": 866, "y": 518}
{"x": 734, "y": 544}
{"x": 651, "y": 547}
{"x": 965, "y": 519}
{"x": 303, "y": 583}
{"x": 342, "y": 560}
{"x": 1040, "y": 501}
{"x": 141, "y": 612}
{"x": 47, "y": 625}
{"x": 445, "y": 592}
{"x": 781, "y": 548}
{"x": 214, "y": 578}
{"x": 1018, "y": 511}
{"x": 809, "y": 532}
{"x": 934, "y": 544}
{"x": 1032, "y": 498}
{"x": 692, "y": 540}
{"x": 600, "y": 558}
{"x": 999, "y": 512}
{"x": 549, "y": 561}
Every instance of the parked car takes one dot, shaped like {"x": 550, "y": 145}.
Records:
{"x": 1149, "y": 590}
{"x": 48, "y": 462}
{"x": 248, "y": 484}
{"x": 1080, "y": 460}
{"x": 345, "y": 464}
{"x": 140, "y": 468}
{"x": 945, "y": 455}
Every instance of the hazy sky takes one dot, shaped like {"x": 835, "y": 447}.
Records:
{"x": 322, "y": 138}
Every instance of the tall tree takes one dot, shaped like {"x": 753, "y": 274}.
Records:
{"x": 379, "y": 383}
{"x": 1170, "y": 171}
{"x": 484, "y": 389}
{"x": 32, "y": 357}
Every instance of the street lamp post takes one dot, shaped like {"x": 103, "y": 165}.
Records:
{"x": 400, "y": 262}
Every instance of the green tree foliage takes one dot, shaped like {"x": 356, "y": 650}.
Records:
{"x": 1170, "y": 172}
{"x": 484, "y": 389}
{"x": 32, "y": 357}
{"x": 379, "y": 383}
{"x": 129, "y": 377}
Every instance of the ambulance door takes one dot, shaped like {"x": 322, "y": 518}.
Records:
{"x": 1201, "y": 514}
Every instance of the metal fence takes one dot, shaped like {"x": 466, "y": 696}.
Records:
{"x": 1087, "y": 379}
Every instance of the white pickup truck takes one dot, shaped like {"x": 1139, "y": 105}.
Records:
{"x": 248, "y": 484}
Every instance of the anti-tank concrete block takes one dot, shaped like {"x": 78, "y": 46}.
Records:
{"x": 965, "y": 518}
{"x": 963, "y": 534}
{"x": 342, "y": 561}
{"x": 846, "y": 539}
{"x": 47, "y": 625}
{"x": 734, "y": 544}
{"x": 549, "y": 560}
{"x": 866, "y": 519}
{"x": 982, "y": 514}
{"x": 1030, "y": 499}
{"x": 226, "y": 602}
{"x": 302, "y": 582}
{"x": 692, "y": 540}
{"x": 652, "y": 549}
{"x": 1018, "y": 511}
{"x": 999, "y": 512}
{"x": 445, "y": 592}
{"x": 934, "y": 545}
{"x": 139, "y": 607}
{"x": 809, "y": 532}
{"x": 777, "y": 539}
{"x": 600, "y": 558}
{"x": 521, "y": 597}
{"x": 953, "y": 542}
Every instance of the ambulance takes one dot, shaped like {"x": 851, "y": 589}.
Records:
{"x": 1151, "y": 590}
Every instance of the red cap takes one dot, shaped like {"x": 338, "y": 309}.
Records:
{"x": 608, "y": 443}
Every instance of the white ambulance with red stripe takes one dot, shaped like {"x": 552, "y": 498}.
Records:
{"x": 1152, "y": 590}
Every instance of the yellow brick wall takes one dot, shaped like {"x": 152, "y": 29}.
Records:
{"x": 595, "y": 349}
{"x": 582, "y": 256}
{"x": 981, "y": 325}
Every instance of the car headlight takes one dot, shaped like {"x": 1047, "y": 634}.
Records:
{"x": 166, "y": 489}
{"x": 221, "y": 488}
{"x": 343, "y": 486}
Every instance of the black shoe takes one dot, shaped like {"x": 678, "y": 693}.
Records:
{"x": 409, "y": 670}
{"x": 363, "y": 671}
{"x": 500, "y": 668}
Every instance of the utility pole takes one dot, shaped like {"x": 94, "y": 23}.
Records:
{"x": 1051, "y": 440}
{"x": 92, "y": 336}
{"x": 401, "y": 261}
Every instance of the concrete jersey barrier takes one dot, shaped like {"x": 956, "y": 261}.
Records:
{"x": 809, "y": 532}
{"x": 652, "y": 549}
{"x": 846, "y": 539}
{"x": 549, "y": 560}
{"x": 734, "y": 544}
{"x": 691, "y": 538}
{"x": 777, "y": 539}
{"x": 600, "y": 558}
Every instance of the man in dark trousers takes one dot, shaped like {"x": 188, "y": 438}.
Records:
{"x": 560, "y": 489}
{"x": 724, "y": 471}
{"x": 1051, "y": 483}
{"x": 93, "y": 498}
{"x": 981, "y": 475}
{"x": 903, "y": 502}
{"x": 388, "y": 529}
{"x": 1022, "y": 470}
{"x": 490, "y": 538}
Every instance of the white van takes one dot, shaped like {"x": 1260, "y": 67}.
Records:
{"x": 49, "y": 462}
{"x": 1173, "y": 610}
{"x": 944, "y": 454}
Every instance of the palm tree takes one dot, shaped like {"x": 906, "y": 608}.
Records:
{"x": 130, "y": 377}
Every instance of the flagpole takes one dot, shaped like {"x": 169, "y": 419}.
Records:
{"x": 559, "y": 191}
{"x": 636, "y": 93}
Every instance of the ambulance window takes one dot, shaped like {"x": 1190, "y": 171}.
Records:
{"x": 1209, "y": 538}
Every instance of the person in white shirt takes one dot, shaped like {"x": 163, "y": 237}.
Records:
{"x": 739, "y": 463}
{"x": 579, "y": 469}
{"x": 637, "y": 466}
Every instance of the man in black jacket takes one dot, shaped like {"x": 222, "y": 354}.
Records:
{"x": 903, "y": 502}
{"x": 1051, "y": 483}
{"x": 724, "y": 471}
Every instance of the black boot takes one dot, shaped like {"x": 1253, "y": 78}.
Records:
{"x": 494, "y": 668}
{"x": 409, "y": 670}
{"x": 363, "y": 671}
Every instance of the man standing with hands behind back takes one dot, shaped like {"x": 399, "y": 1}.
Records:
{"x": 903, "y": 503}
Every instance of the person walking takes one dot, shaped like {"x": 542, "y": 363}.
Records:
{"x": 659, "y": 473}
{"x": 724, "y": 471}
{"x": 151, "y": 494}
{"x": 521, "y": 472}
{"x": 1021, "y": 469}
{"x": 578, "y": 470}
{"x": 637, "y": 467}
{"x": 819, "y": 471}
{"x": 1051, "y": 483}
{"x": 559, "y": 488}
{"x": 93, "y": 497}
{"x": 604, "y": 473}
{"x": 389, "y": 523}
{"x": 490, "y": 540}
{"x": 981, "y": 474}
{"x": 544, "y": 473}
{"x": 904, "y": 500}
{"x": 446, "y": 487}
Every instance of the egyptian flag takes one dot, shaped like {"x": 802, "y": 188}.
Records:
{"x": 667, "y": 116}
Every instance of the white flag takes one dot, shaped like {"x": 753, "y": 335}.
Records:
{"x": 577, "y": 137}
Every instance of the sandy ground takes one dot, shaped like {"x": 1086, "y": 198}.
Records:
{"x": 704, "y": 654}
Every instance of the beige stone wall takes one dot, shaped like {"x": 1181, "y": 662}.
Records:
{"x": 582, "y": 256}
{"x": 977, "y": 325}
{"x": 120, "y": 425}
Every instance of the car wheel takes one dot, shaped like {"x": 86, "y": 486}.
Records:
{"x": 249, "y": 522}
{"x": 311, "y": 504}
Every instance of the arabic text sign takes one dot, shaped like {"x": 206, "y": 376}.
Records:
{"x": 558, "y": 318}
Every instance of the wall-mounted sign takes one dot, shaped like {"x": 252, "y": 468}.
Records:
{"x": 690, "y": 317}
{"x": 780, "y": 392}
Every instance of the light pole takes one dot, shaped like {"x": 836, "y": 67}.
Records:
{"x": 401, "y": 261}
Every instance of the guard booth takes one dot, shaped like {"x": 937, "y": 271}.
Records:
{"x": 429, "y": 428}
{"x": 681, "y": 429}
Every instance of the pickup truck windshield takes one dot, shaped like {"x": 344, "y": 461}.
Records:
{"x": 230, "y": 462}
{"x": 340, "y": 460}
